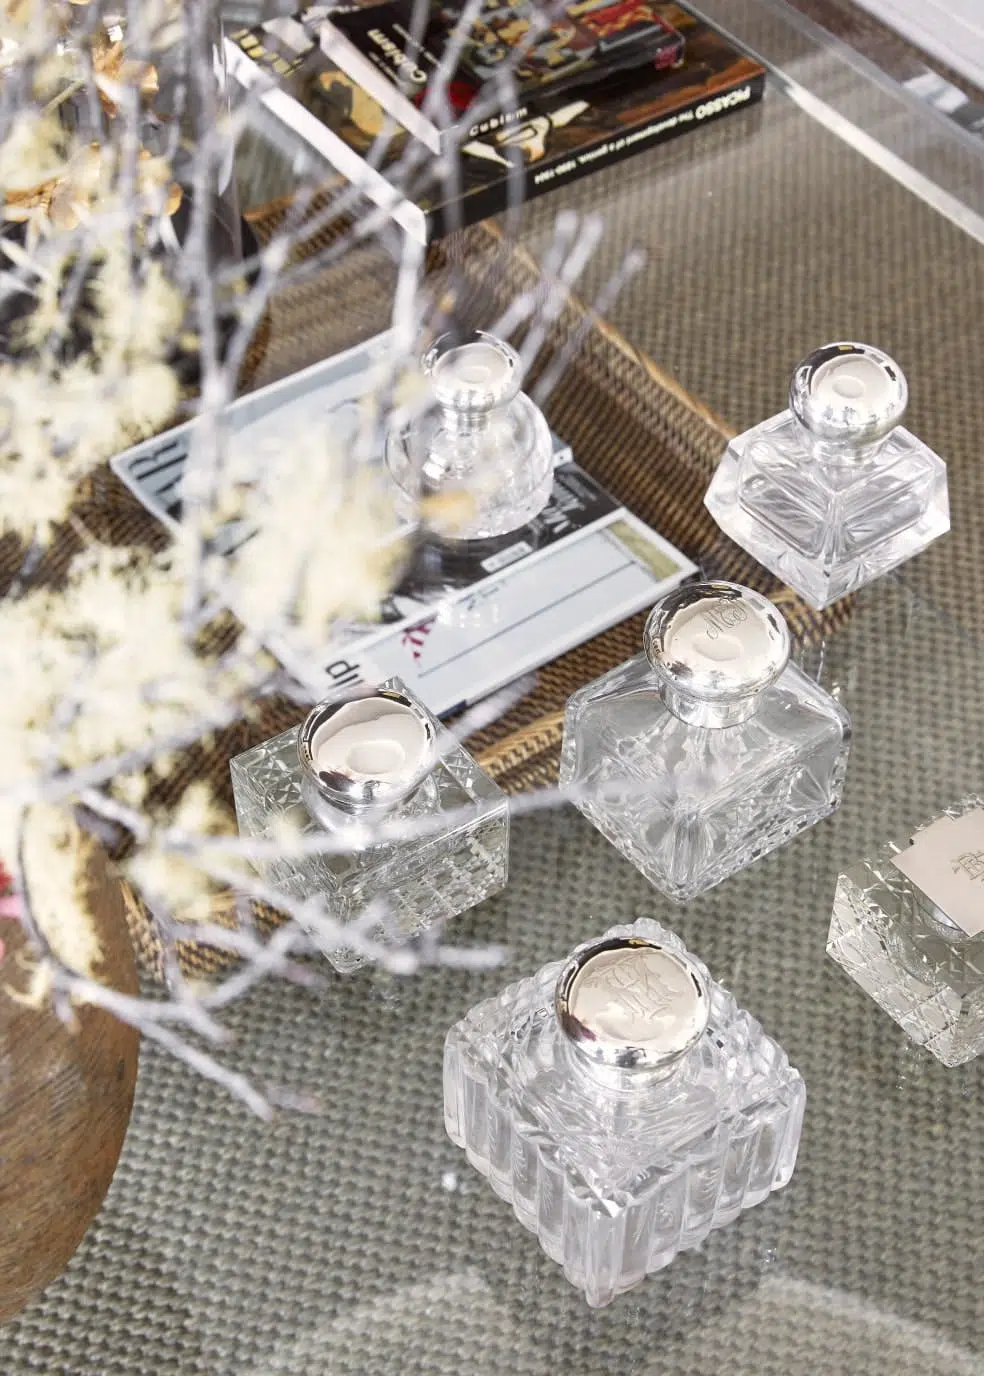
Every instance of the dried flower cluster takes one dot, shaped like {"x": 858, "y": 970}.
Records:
{"x": 112, "y": 146}
{"x": 109, "y": 667}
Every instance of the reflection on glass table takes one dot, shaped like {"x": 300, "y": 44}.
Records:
{"x": 358, "y": 1241}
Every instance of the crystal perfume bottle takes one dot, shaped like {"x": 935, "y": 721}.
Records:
{"x": 623, "y": 1104}
{"x": 414, "y": 824}
{"x": 834, "y": 491}
{"x": 908, "y": 927}
{"x": 483, "y": 448}
{"x": 708, "y": 750}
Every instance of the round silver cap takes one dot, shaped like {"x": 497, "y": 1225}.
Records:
{"x": 715, "y": 647}
{"x": 630, "y": 1004}
{"x": 475, "y": 375}
{"x": 369, "y": 750}
{"x": 849, "y": 395}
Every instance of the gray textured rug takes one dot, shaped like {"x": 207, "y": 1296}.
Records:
{"x": 362, "y": 1242}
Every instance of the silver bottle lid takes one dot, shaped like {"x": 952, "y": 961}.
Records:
{"x": 715, "y": 647}
{"x": 630, "y": 1004}
{"x": 369, "y": 750}
{"x": 476, "y": 375}
{"x": 848, "y": 395}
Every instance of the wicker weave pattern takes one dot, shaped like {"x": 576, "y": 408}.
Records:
{"x": 631, "y": 426}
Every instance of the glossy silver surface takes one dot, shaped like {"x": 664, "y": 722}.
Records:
{"x": 348, "y": 786}
{"x": 473, "y": 375}
{"x": 848, "y": 395}
{"x": 715, "y": 647}
{"x": 626, "y": 1003}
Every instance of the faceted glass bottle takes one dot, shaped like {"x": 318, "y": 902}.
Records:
{"x": 623, "y": 1104}
{"x": 710, "y": 749}
{"x": 482, "y": 453}
{"x": 897, "y": 941}
{"x": 359, "y": 770}
{"x": 834, "y": 491}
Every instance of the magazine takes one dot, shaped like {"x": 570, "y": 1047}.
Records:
{"x": 582, "y": 565}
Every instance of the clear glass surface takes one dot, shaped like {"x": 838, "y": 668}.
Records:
{"x": 615, "y": 1178}
{"x": 690, "y": 805}
{"x": 456, "y": 856}
{"x": 360, "y": 1241}
{"x": 826, "y": 526}
{"x": 922, "y": 969}
{"x": 842, "y": 89}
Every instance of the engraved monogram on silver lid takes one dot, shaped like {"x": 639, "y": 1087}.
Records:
{"x": 476, "y": 375}
{"x": 368, "y": 750}
{"x": 715, "y": 647}
{"x": 630, "y": 1004}
{"x": 849, "y": 396}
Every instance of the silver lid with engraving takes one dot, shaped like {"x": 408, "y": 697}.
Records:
{"x": 474, "y": 375}
{"x": 714, "y": 648}
{"x": 627, "y": 1003}
{"x": 849, "y": 396}
{"x": 370, "y": 749}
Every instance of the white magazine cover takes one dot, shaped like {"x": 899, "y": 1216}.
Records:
{"x": 584, "y": 564}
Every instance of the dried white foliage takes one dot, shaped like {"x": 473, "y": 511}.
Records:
{"x": 100, "y": 667}
{"x": 109, "y": 669}
{"x": 53, "y": 855}
{"x": 324, "y": 528}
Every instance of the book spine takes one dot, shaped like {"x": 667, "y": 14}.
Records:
{"x": 540, "y": 177}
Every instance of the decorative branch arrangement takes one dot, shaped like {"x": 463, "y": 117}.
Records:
{"x": 128, "y": 300}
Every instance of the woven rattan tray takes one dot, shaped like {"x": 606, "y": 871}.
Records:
{"x": 631, "y": 426}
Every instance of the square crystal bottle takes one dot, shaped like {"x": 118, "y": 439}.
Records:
{"x": 833, "y": 492}
{"x": 360, "y": 770}
{"x": 710, "y": 749}
{"x": 623, "y": 1104}
{"x": 905, "y": 948}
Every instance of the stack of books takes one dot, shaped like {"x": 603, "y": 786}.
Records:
{"x": 444, "y": 126}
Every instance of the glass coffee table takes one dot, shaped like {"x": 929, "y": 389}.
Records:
{"x": 361, "y": 1241}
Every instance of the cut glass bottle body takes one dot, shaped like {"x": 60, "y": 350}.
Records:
{"x": 481, "y": 456}
{"x": 430, "y": 876}
{"x": 616, "y": 1177}
{"x": 824, "y": 528}
{"x": 688, "y": 804}
{"x": 833, "y": 492}
{"x": 919, "y": 967}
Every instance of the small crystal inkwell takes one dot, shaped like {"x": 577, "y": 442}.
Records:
{"x": 355, "y": 769}
{"x": 708, "y": 750}
{"x": 483, "y": 449}
{"x": 908, "y": 927}
{"x": 623, "y": 1104}
{"x": 833, "y": 492}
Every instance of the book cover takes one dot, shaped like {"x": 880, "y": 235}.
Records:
{"x": 594, "y": 127}
{"x": 501, "y": 159}
{"x": 509, "y": 55}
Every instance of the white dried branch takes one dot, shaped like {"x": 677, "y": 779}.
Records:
{"x": 56, "y": 269}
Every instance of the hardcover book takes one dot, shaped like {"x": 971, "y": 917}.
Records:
{"x": 505, "y": 157}
{"x": 399, "y": 52}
